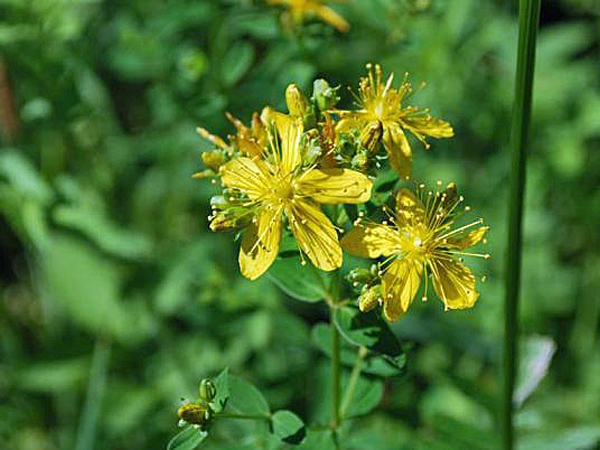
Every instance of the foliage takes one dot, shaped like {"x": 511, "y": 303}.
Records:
{"x": 117, "y": 299}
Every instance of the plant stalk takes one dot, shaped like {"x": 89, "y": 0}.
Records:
{"x": 91, "y": 413}
{"x": 529, "y": 14}
{"x": 335, "y": 374}
{"x": 349, "y": 394}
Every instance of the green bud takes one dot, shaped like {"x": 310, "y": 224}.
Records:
{"x": 363, "y": 276}
{"x": 369, "y": 298}
{"x": 207, "y": 390}
{"x": 312, "y": 152}
{"x": 360, "y": 160}
{"x": 324, "y": 95}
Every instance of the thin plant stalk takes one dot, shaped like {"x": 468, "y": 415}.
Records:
{"x": 529, "y": 13}
{"x": 335, "y": 374}
{"x": 86, "y": 433}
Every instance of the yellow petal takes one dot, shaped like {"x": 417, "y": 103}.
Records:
{"x": 260, "y": 243}
{"x": 347, "y": 124}
{"x": 371, "y": 240}
{"x": 315, "y": 234}
{"x": 401, "y": 282}
{"x": 409, "y": 208}
{"x": 454, "y": 283}
{"x": 212, "y": 138}
{"x": 331, "y": 17}
{"x": 471, "y": 239}
{"x": 246, "y": 175}
{"x": 425, "y": 125}
{"x": 290, "y": 131}
{"x": 398, "y": 149}
{"x": 335, "y": 186}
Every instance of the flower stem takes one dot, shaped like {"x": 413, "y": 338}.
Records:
{"x": 92, "y": 407}
{"x": 529, "y": 14}
{"x": 335, "y": 373}
{"x": 362, "y": 352}
{"x": 229, "y": 415}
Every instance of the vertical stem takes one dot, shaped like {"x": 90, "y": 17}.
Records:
{"x": 86, "y": 432}
{"x": 529, "y": 14}
{"x": 351, "y": 387}
{"x": 335, "y": 373}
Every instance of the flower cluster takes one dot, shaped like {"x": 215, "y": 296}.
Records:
{"x": 292, "y": 173}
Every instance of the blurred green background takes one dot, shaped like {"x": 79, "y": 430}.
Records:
{"x": 115, "y": 299}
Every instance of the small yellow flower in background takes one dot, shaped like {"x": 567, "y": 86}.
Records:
{"x": 277, "y": 185}
{"x": 299, "y": 10}
{"x": 382, "y": 116}
{"x": 421, "y": 235}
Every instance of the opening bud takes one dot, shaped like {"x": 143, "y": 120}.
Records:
{"x": 369, "y": 298}
{"x": 324, "y": 95}
{"x": 194, "y": 414}
{"x": 213, "y": 159}
{"x": 297, "y": 104}
{"x": 363, "y": 276}
{"x": 371, "y": 135}
{"x": 207, "y": 390}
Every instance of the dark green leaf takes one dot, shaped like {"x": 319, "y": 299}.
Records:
{"x": 221, "y": 383}
{"x": 300, "y": 282}
{"x": 237, "y": 62}
{"x": 187, "y": 439}
{"x": 288, "y": 427}
{"x": 369, "y": 330}
{"x": 245, "y": 398}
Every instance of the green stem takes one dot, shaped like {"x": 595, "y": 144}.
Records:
{"x": 229, "y": 415}
{"x": 362, "y": 352}
{"x": 528, "y": 25}
{"x": 335, "y": 374}
{"x": 86, "y": 433}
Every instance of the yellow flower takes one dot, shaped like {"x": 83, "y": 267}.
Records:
{"x": 277, "y": 185}
{"x": 383, "y": 116}
{"x": 248, "y": 140}
{"x": 300, "y": 9}
{"x": 420, "y": 236}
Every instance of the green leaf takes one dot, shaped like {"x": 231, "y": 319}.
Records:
{"x": 246, "y": 399}
{"x": 288, "y": 427}
{"x": 237, "y": 62}
{"x": 374, "y": 363}
{"x": 578, "y": 438}
{"x": 221, "y": 383}
{"x": 24, "y": 177}
{"x": 369, "y": 330}
{"x": 300, "y": 282}
{"x": 318, "y": 440}
{"x": 367, "y": 395}
{"x": 187, "y": 439}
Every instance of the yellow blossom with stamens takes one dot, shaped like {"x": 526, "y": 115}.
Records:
{"x": 278, "y": 185}
{"x": 381, "y": 108}
{"x": 299, "y": 10}
{"x": 421, "y": 236}
{"x": 248, "y": 140}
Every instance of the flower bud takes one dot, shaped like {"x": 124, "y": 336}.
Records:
{"x": 213, "y": 160}
{"x": 369, "y": 298}
{"x": 324, "y": 95}
{"x": 360, "y": 160}
{"x": 371, "y": 135}
{"x": 207, "y": 390}
{"x": 296, "y": 102}
{"x": 194, "y": 414}
{"x": 360, "y": 276}
{"x": 231, "y": 218}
